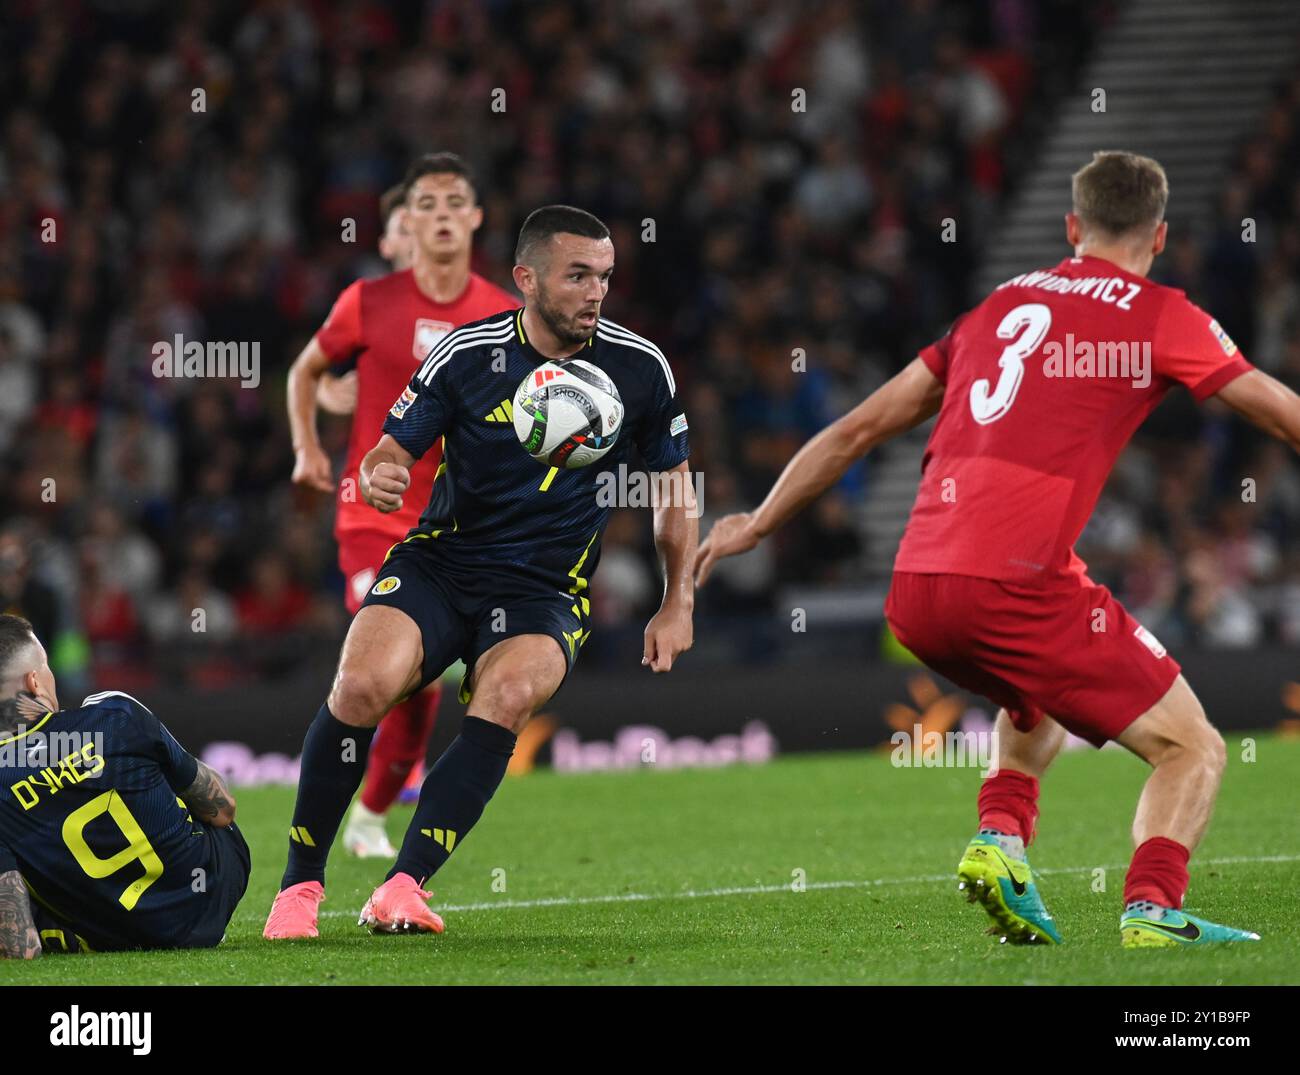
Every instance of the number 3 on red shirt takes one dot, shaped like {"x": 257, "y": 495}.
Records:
{"x": 1025, "y": 326}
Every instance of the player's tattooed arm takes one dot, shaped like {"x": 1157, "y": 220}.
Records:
{"x": 901, "y": 403}
{"x": 18, "y": 936}
{"x": 385, "y": 474}
{"x": 209, "y": 799}
{"x": 677, "y": 533}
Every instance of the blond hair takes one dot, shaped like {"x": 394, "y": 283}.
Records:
{"x": 1120, "y": 193}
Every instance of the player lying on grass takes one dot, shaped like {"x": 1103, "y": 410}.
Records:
{"x": 496, "y": 571}
{"x": 111, "y": 835}
{"x": 987, "y": 589}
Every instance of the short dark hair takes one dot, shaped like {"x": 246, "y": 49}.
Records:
{"x": 555, "y": 220}
{"x": 389, "y": 202}
{"x": 15, "y": 633}
{"x": 441, "y": 163}
{"x": 1120, "y": 193}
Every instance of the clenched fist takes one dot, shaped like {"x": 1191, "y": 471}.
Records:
{"x": 388, "y": 481}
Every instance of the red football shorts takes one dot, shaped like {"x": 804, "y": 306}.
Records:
{"x": 361, "y": 553}
{"x": 1072, "y": 652}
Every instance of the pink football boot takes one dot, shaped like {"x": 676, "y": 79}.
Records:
{"x": 293, "y": 914}
{"x": 398, "y": 906}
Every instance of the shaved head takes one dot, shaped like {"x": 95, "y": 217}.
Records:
{"x": 18, "y": 646}
{"x": 24, "y": 668}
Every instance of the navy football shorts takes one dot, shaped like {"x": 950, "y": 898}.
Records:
{"x": 228, "y": 871}
{"x": 464, "y": 612}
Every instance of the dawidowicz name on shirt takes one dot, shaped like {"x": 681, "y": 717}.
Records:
{"x": 179, "y": 357}
{"x": 1118, "y": 359}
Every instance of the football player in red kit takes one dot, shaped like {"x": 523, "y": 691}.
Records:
{"x": 1038, "y": 389}
{"x": 337, "y": 393}
{"x": 384, "y": 328}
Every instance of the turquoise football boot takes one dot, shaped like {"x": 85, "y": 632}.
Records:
{"x": 1004, "y": 887}
{"x": 1148, "y": 925}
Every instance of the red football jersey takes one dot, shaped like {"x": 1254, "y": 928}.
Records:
{"x": 388, "y": 326}
{"x": 1045, "y": 382}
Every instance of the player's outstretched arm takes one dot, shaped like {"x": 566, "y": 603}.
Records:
{"x": 209, "y": 799}
{"x": 311, "y": 466}
{"x": 677, "y": 532}
{"x": 1267, "y": 402}
{"x": 18, "y": 936}
{"x": 386, "y": 474}
{"x": 904, "y": 401}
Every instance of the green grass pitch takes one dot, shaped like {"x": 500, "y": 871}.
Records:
{"x": 687, "y": 877}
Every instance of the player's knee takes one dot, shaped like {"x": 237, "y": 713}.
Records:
{"x": 359, "y": 698}
{"x": 508, "y": 699}
{"x": 1199, "y": 740}
{"x": 1213, "y": 750}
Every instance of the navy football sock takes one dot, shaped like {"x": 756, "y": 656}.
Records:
{"x": 333, "y": 763}
{"x": 453, "y": 796}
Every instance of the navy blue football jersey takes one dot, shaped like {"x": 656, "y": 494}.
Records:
{"x": 492, "y": 504}
{"x": 91, "y": 818}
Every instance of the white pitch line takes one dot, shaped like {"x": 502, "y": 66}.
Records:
{"x": 762, "y": 890}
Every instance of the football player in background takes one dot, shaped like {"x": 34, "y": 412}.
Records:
{"x": 1038, "y": 389}
{"x": 336, "y": 393}
{"x": 383, "y": 329}
{"x": 112, "y": 836}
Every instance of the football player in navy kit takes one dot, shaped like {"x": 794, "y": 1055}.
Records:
{"x": 112, "y": 836}
{"x": 497, "y": 571}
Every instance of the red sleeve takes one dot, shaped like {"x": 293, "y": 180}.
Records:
{"x": 937, "y": 354}
{"x": 495, "y": 300}
{"x": 1191, "y": 348}
{"x": 340, "y": 336}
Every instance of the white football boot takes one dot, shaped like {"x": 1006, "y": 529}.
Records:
{"x": 365, "y": 835}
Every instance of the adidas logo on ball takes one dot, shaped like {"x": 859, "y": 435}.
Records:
{"x": 567, "y": 416}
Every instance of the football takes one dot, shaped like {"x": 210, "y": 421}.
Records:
{"x": 567, "y": 414}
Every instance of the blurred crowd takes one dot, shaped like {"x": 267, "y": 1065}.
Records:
{"x": 190, "y": 169}
{"x": 1198, "y": 529}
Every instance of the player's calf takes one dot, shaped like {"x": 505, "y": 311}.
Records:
{"x": 395, "y": 754}
{"x": 1188, "y": 756}
{"x": 994, "y": 870}
{"x": 509, "y": 682}
{"x": 381, "y": 660}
